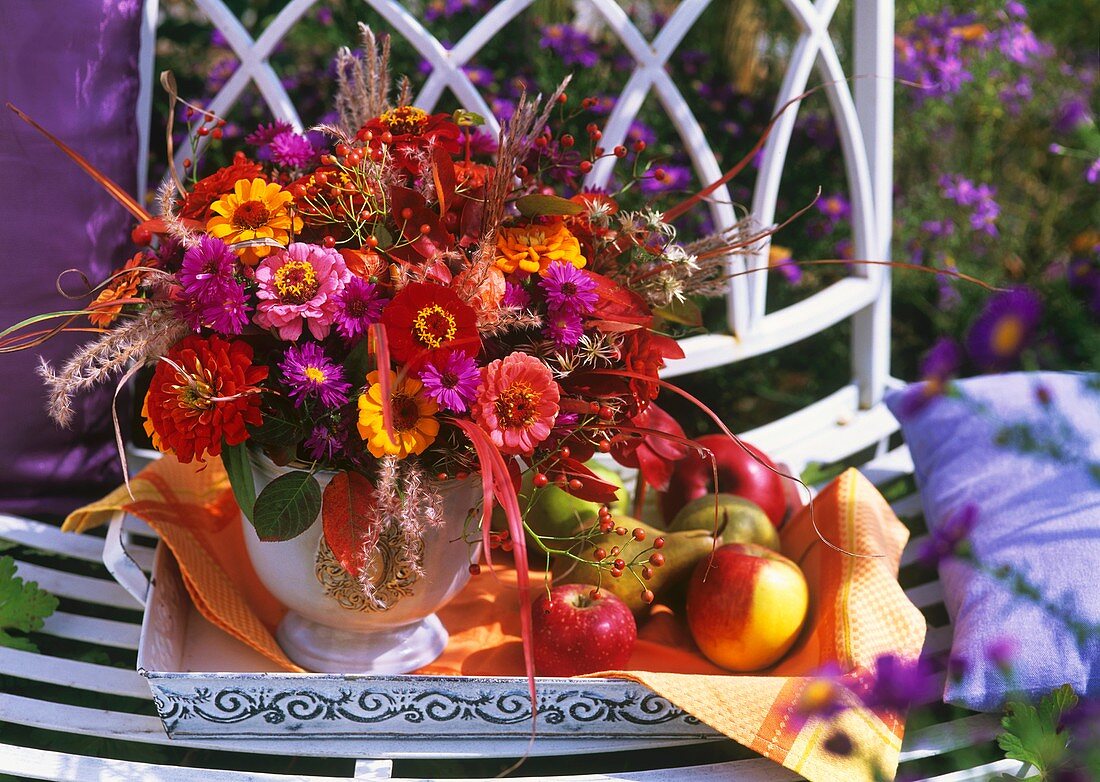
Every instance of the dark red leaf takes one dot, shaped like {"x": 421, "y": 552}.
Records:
{"x": 350, "y": 526}
{"x": 593, "y": 488}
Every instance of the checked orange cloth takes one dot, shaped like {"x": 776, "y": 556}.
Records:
{"x": 858, "y": 612}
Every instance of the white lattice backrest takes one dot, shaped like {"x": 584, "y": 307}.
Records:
{"x": 864, "y": 123}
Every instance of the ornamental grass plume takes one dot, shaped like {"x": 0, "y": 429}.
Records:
{"x": 136, "y": 341}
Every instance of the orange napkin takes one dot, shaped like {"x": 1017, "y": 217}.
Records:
{"x": 858, "y": 611}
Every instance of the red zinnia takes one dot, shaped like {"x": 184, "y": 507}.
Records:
{"x": 407, "y": 130}
{"x": 196, "y": 204}
{"x": 645, "y": 352}
{"x": 203, "y": 391}
{"x": 424, "y": 318}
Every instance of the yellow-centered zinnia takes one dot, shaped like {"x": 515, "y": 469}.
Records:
{"x": 414, "y": 424}
{"x": 531, "y": 248}
{"x": 254, "y": 210}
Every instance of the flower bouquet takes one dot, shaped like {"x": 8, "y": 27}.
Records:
{"x": 378, "y": 328}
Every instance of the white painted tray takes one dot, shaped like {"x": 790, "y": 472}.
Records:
{"x": 207, "y": 684}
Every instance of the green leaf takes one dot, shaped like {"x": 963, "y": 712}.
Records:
{"x": 1032, "y": 734}
{"x": 287, "y": 506}
{"x": 686, "y": 313}
{"x": 382, "y": 234}
{"x": 466, "y": 119}
{"x": 23, "y": 607}
{"x": 535, "y": 205}
{"x": 239, "y": 470}
{"x": 276, "y": 430}
{"x": 359, "y": 363}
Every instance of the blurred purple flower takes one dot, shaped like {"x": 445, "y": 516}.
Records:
{"x": 679, "y": 178}
{"x": 324, "y": 443}
{"x": 265, "y": 134}
{"x": 478, "y": 75}
{"x": 938, "y": 227}
{"x": 949, "y": 539}
{"x": 572, "y": 46}
{"x": 899, "y": 683}
{"x": 1001, "y": 652}
{"x": 1004, "y": 328}
{"x": 1093, "y": 172}
{"x": 835, "y": 208}
{"x": 1071, "y": 115}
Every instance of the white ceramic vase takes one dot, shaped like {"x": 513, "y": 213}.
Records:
{"x": 331, "y": 625}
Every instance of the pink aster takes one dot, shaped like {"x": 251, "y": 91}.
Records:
{"x": 452, "y": 381}
{"x": 568, "y": 288}
{"x": 517, "y": 403}
{"x": 292, "y": 150}
{"x": 565, "y": 328}
{"x": 297, "y": 287}
{"x": 309, "y": 374}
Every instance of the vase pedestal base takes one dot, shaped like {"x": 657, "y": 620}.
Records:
{"x": 323, "y": 649}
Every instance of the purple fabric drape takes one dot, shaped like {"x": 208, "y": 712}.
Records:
{"x": 72, "y": 65}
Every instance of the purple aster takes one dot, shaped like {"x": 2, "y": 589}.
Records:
{"x": 452, "y": 382}
{"x": 324, "y": 443}
{"x": 572, "y": 45}
{"x": 899, "y": 683}
{"x": 265, "y": 134}
{"x": 835, "y": 207}
{"x": 292, "y": 150}
{"x": 940, "y": 363}
{"x": 310, "y": 374}
{"x": 568, "y": 288}
{"x": 676, "y": 178}
{"x": 515, "y": 296}
{"x": 565, "y": 328}
{"x": 1004, "y": 328}
{"x": 358, "y": 306}
{"x": 221, "y": 306}
{"x": 207, "y": 266}
{"x": 951, "y": 538}
{"x": 1093, "y": 173}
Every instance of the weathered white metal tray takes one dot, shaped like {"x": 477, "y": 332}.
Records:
{"x": 208, "y": 685}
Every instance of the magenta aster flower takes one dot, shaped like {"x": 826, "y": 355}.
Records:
{"x": 569, "y": 288}
{"x": 1005, "y": 328}
{"x": 565, "y": 328}
{"x": 515, "y": 296}
{"x": 324, "y": 443}
{"x": 452, "y": 381}
{"x": 206, "y": 266}
{"x": 292, "y": 150}
{"x": 358, "y": 305}
{"x": 310, "y": 374}
{"x": 298, "y": 287}
{"x": 265, "y": 134}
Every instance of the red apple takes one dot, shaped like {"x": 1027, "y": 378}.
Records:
{"x": 577, "y": 633}
{"x": 746, "y": 606}
{"x": 738, "y": 473}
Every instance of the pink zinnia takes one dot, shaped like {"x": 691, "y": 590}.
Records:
{"x": 299, "y": 286}
{"x": 517, "y": 403}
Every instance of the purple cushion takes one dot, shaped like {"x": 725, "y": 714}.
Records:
{"x": 73, "y": 68}
{"x": 1037, "y": 507}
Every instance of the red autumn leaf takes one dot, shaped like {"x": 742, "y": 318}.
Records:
{"x": 420, "y": 226}
{"x": 619, "y": 304}
{"x": 350, "y": 526}
{"x": 592, "y": 488}
{"x": 443, "y": 177}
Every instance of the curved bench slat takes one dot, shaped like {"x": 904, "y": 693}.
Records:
{"x": 73, "y": 673}
{"x": 71, "y": 585}
{"x": 90, "y": 629}
{"x": 47, "y": 537}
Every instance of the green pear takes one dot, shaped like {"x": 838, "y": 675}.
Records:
{"x": 556, "y": 513}
{"x": 740, "y": 520}
{"x": 681, "y": 552}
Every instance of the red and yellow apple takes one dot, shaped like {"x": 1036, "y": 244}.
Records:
{"x": 577, "y": 633}
{"x": 738, "y": 473}
{"x": 746, "y": 606}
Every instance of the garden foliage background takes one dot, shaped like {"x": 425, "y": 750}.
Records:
{"x": 997, "y": 153}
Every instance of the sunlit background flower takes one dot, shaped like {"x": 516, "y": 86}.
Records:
{"x": 1005, "y": 328}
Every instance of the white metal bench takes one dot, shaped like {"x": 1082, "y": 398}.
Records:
{"x": 59, "y": 740}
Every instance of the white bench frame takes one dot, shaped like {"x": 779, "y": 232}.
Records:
{"x": 844, "y": 423}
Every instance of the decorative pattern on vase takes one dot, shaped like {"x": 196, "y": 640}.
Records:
{"x": 392, "y": 570}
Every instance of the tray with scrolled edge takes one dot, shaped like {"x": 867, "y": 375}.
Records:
{"x": 207, "y": 686}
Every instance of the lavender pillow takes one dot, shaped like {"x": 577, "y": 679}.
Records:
{"x": 1013, "y": 464}
{"x": 75, "y": 71}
